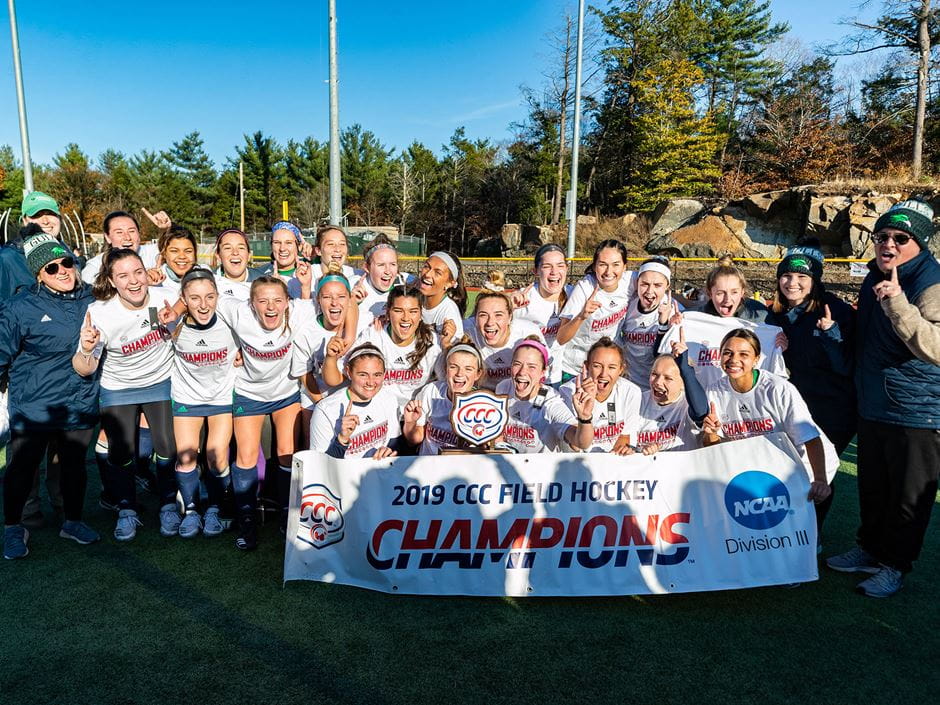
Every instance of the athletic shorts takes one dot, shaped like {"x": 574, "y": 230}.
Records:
{"x": 199, "y": 410}
{"x": 243, "y": 406}
{"x": 141, "y": 395}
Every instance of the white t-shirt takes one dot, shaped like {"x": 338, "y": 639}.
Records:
{"x": 400, "y": 379}
{"x": 308, "y": 355}
{"x": 545, "y": 314}
{"x": 703, "y": 336}
{"x": 202, "y": 367}
{"x": 137, "y": 351}
{"x": 265, "y": 374}
{"x": 534, "y": 429}
{"x": 605, "y": 321}
{"x": 497, "y": 362}
{"x": 231, "y": 288}
{"x": 435, "y": 417}
{"x": 378, "y": 423}
{"x": 445, "y": 310}
{"x": 148, "y": 252}
{"x": 637, "y": 337}
{"x": 618, "y": 415}
{"x": 773, "y": 405}
{"x": 667, "y": 425}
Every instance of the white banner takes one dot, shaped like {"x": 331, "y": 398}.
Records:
{"x": 730, "y": 516}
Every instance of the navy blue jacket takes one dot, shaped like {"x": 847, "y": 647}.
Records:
{"x": 14, "y": 274}
{"x": 822, "y": 363}
{"x": 894, "y": 386}
{"x": 39, "y": 333}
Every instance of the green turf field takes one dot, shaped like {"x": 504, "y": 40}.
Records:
{"x": 169, "y": 621}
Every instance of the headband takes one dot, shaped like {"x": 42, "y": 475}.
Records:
{"x": 525, "y": 343}
{"x": 656, "y": 267}
{"x": 463, "y": 347}
{"x": 364, "y": 350}
{"x": 449, "y": 261}
{"x": 380, "y": 246}
{"x": 332, "y": 278}
{"x": 289, "y": 227}
{"x": 195, "y": 274}
{"x": 545, "y": 249}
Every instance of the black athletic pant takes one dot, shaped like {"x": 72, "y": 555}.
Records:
{"x": 897, "y": 486}
{"x": 120, "y": 424}
{"x": 24, "y": 454}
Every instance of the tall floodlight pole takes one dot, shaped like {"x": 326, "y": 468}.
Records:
{"x": 20, "y": 99}
{"x": 572, "y": 205}
{"x": 241, "y": 194}
{"x": 336, "y": 203}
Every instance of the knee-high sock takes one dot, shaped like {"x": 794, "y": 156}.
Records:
{"x": 217, "y": 482}
{"x": 188, "y": 482}
{"x": 245, "y": 486}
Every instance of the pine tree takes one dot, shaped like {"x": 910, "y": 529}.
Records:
{"x": 676, "y": 150}
{"x": 189, "y": 161}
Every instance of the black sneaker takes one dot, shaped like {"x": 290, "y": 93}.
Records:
{"x": 247, "y": 533}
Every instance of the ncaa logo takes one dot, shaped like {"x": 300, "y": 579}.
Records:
{"x": 757, "y": 500}
{"x": 479, "y": 417}
{"x": 321, "y": 517}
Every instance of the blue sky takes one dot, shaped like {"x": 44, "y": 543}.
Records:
{"x": 140, "y": 75}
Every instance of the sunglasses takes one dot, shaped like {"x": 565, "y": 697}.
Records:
{"x": 900, "y": 240}
{"x": 53, "y": 267}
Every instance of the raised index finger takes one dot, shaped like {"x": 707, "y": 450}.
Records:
{"x": 828, "y": 313}
{"x": 682, "y": 334}
{"x": 894, "y": 275}
{"x": 597, "y": 288}
{"x": 87, "y": 319}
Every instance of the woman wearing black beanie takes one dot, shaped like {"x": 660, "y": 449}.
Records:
{"x": 820, "y": 328}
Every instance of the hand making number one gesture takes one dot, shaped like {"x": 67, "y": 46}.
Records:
{"x": 90, "y": 336}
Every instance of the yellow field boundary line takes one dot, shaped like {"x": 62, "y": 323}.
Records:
{"x": 413, "y": 258}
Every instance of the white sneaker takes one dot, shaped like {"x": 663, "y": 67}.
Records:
{"x": 211, "y": 524}
{"x": 191, "y": 524}
{"x": 169, "y": 520}
{"x": 127, "y": 524}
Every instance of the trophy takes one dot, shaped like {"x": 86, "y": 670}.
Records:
{"x": 478, "y": 419}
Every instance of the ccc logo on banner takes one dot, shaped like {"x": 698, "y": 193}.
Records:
{"x": 321, "y": 517}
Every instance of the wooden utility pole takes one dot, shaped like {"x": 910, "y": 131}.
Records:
{"x": 923, "y": 68}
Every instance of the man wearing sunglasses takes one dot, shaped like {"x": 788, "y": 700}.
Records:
{"x": 897, "y": 376}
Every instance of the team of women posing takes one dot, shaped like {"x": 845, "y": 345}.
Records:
{"x": 222, "y": 368}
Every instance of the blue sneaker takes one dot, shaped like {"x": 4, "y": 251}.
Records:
{"x": 14, "y": 542}
{"x": 191, "y": 524}
{"x": 855, "y": 560}
{"x": 211, "y": 523}
{"x": 127, "y": 523}
{"x": 170, "y": 520}
{"x": 79, "y": 532}
{"x": 885, "y": 583}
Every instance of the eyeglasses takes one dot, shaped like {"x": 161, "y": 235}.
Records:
{"x": 900, "y": 239}
{"x": 53, "y": 267}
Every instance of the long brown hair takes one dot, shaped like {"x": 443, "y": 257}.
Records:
{"x": 103, "y": 289}
{"x": 424, "y": 336}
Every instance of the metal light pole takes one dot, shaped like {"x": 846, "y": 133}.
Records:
{"x": 572, "y": 204}
{"x": 336, "y": 201}
{"x": 20, "y": 100}
{"x": 241, "y": 194}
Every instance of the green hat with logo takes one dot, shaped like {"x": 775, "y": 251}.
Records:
{"x": 36, "y": 201}
{"x": 912, "y": 217}
{"x": 41, "y": 249}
